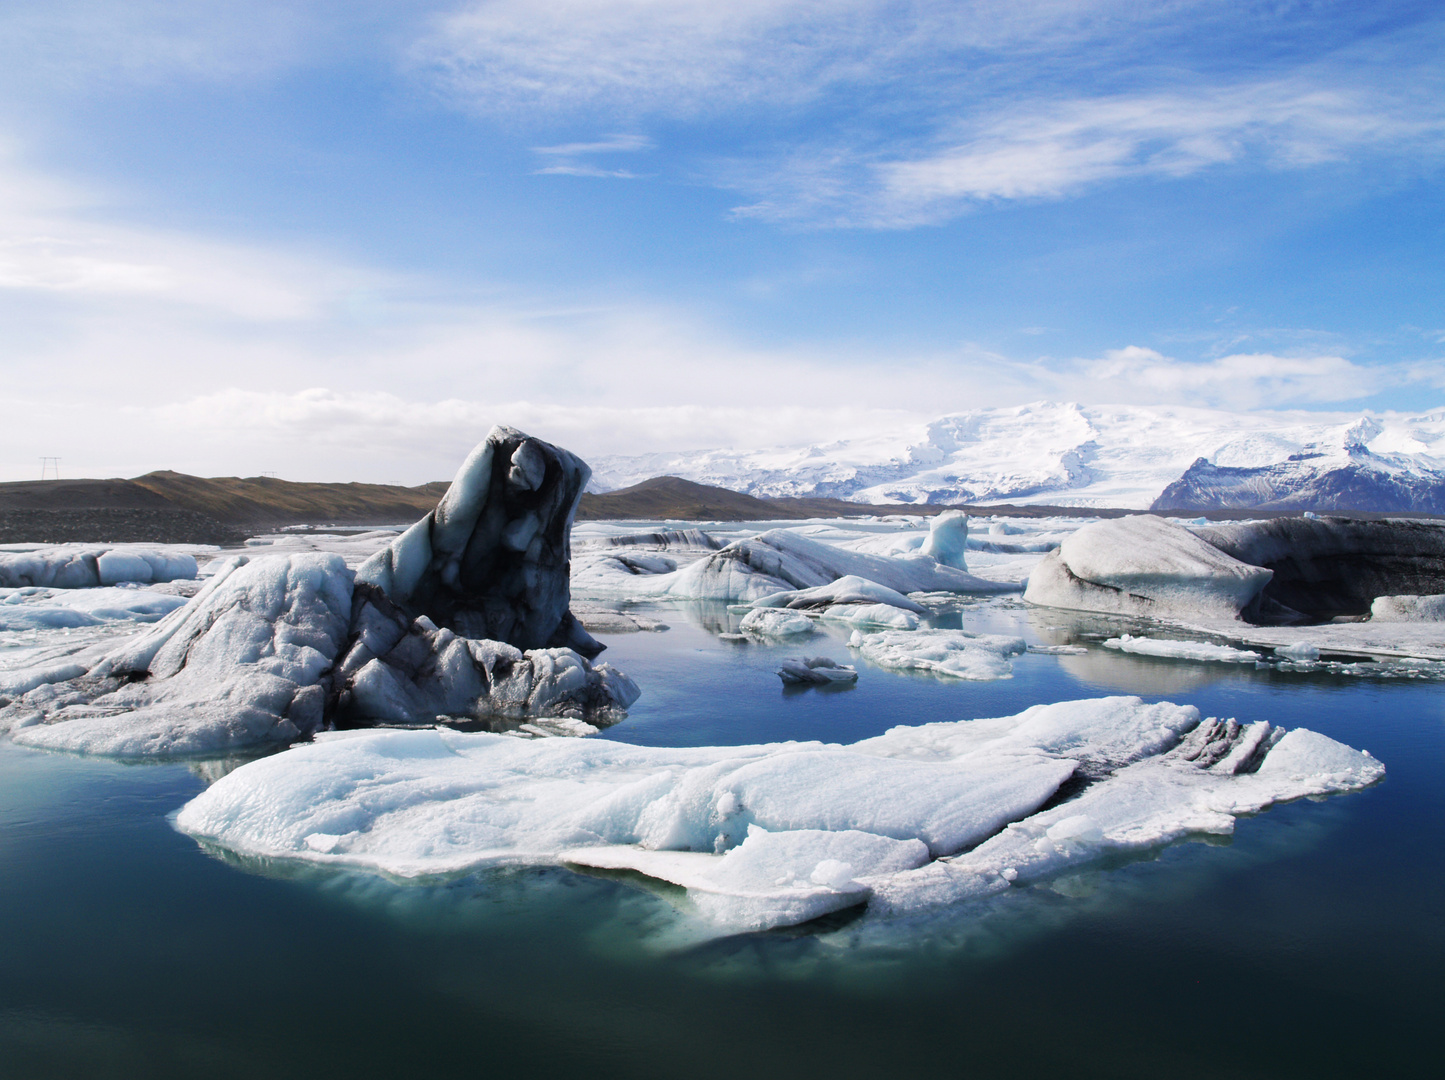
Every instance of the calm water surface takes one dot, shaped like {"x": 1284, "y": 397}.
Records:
{"x": 1308, "y": 945}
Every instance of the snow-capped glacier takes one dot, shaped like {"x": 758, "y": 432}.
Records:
{"x": 1067, "y": 454}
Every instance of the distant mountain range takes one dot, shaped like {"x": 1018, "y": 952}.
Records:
{"x": 1095, "y": 456}
{"x": 1034, "y": 459}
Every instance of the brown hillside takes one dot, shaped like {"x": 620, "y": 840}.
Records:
{"x": 669, "y": 497}
{"x": 265, "y": 500}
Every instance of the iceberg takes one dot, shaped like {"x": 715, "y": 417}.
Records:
{"x": 953, "y": 653}
{"x": 1182, "y": 650}
{"x": 776, "y": 561}
{"x": 850, "y": 599}
{"x": 947, "y": 539}
{"x": 1327, "y": 566}
{"x": 770, "y": 622}
{"x": 780, "y": 833}
{"x": 1408, "y": 608}
{"x": 1145, "y": 566}
{"x": 466, "y": 614}
{"x": 74, "y": 566}
{"x": 816, "y": 671}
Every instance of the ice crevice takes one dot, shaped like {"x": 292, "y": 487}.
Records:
{"x": 780, "y": 833}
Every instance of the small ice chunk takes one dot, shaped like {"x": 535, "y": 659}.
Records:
{"x": 1299, "y": 651}
{"x": 816, "y": 671}
{"x": 953, "y": 653}
{"x": 775, "y": 622}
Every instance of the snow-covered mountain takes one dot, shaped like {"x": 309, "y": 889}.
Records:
{"x": 1093, "y": 455}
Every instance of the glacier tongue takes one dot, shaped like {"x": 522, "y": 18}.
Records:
{"x": 779, "y": 833}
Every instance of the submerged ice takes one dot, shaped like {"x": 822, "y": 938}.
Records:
{"x": 780, "y": 833}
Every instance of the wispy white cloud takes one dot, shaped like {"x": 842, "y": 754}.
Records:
{"x": 609, "y": 144}
{"x": 56, "y": 239}
{"x": 682, "y": 57}
{"x": 1059, "y": 148}
{"x": 130, "y": 348}
{"x": 75, "y": 44}
{"x": 910, "y": 112}
{"x": 568, "y": 156}
{"x": 1239, "y": 381}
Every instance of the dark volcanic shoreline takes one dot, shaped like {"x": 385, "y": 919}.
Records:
{"x": 172, "y": 508}
{"x": 115, "y": 525}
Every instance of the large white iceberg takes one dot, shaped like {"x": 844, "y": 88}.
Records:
{"x": 779, "y": 833}
{"x": 1144, "y": 565}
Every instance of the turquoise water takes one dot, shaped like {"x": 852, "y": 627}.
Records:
{"x": 1308, "y": 945}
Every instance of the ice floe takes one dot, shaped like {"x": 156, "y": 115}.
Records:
{"x": 1183, "y": 650}
{"x": 954, "y": 653}
{"x": 774, "y": 623}
{"x": 851, "y": 599}
{"x": 781, "y": 833}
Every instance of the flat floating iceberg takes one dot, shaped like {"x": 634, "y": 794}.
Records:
{"x": 953, "y": 653}
{"x": 779, "y": 833}
{"x": 1182, "y": 650}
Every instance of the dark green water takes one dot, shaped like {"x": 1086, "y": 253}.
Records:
{"x": 1309, "y": 945}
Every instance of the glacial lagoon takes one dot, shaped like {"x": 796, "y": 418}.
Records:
{"x": 1303, "y": 945}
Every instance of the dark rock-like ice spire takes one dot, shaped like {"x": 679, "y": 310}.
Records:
{"x": 493, "y": 559}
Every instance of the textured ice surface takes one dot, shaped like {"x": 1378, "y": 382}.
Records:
{"x": 276, "y": 648}
{"x": 40, "y": 608}
{"x": 816, "y": 671}
{"x": 944, "y": 652}
{"x": 849, "y": 589}
{"x": 776, "y": 561}
{"x": 1408, "y": 609}
{"x": 241, "y": 664}
{"x": 1144, "y": 566}
{"x": 778, "y": 833}
{"x": 1182, "y": 650}
{"x": 771, "y": 622}
{"x": 88, "y": 566}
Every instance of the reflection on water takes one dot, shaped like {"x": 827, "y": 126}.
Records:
{"x": 127, "y": 949}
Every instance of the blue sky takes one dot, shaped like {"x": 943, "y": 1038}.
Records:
{"x": 340, "y": 240}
